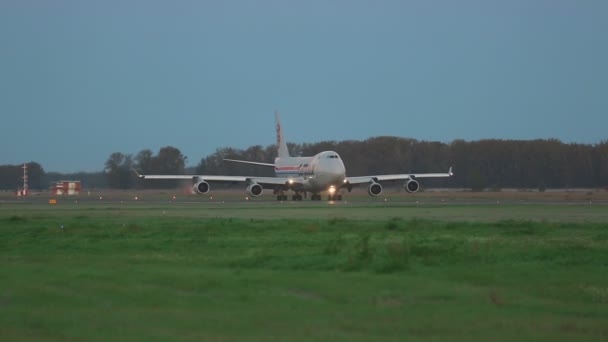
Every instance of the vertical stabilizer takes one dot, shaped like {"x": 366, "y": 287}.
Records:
{"x": 283, "y": 152}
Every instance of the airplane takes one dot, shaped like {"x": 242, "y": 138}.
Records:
{"x": 323, "y": 172}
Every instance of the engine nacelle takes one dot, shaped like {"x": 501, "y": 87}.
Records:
{"x": 374, "y": 189}
{"x": 254, "y": 190}
{"x": 201, "y": 187}
{"x": 412, "y": 185}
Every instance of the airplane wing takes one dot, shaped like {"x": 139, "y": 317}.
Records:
{"x": 228, "y": 179}
{"x": 195, "y": 177}
{"x": 379, "y": 178}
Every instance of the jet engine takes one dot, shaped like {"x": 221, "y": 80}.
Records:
{"x": 254, "y": 190}
{"x": 412, "y": 185}
{"x": 201, "y": 187}
{"x": 374, "y": 189}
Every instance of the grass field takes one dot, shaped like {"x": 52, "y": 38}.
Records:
{"x": 259, "y": 271}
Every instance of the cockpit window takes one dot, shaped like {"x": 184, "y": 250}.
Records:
{"x": 333, "y": 156}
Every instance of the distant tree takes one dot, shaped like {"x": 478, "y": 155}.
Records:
{"x": 541, "y": 186}
{"x": 118, "y": 171}
{"x": 36, "y": 176}
{"x": 11, "y": 176}
{"x": 168, "y": 161}
{"x": 601, "y": 164}
{"x": 8, "y": 177}
{"x": 477, "y": 181}
{"x": 201, "y": 168}
{"x": 144, "y": 161}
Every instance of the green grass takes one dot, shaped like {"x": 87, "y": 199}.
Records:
{"x": 171, "y": 272}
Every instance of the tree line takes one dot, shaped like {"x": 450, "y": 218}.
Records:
{"x": 120, "y": 168}
{"x": 478, "y": 165}
{"x": 11, "y": 176}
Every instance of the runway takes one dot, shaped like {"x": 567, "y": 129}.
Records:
{"x": 233, "y": 197}
{"x": 448, "y": 206}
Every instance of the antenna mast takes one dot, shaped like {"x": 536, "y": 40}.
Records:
{"x": 25, "y": 190}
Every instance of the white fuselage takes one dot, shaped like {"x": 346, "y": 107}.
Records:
{"x": 320, "y": 172}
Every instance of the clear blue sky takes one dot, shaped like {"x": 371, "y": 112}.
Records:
{"x": 82, "y": 79}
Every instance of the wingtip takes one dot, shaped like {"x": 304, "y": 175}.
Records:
{"x": 450, "y": 172}
{"x": 137, "y": 173}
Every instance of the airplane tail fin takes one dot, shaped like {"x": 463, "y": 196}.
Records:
{"x": 283, "y": 152}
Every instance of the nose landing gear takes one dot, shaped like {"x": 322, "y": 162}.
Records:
{"x": 334, "y": 197}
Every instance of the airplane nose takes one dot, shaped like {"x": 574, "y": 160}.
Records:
{"x": 339, "y": 171}
{"x": 334, "y": 171}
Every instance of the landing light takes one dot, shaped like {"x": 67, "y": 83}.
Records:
{"x": 331, "y": 189}
{"x": 290, "y": 181}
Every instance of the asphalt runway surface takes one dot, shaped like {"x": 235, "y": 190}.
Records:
{"x": 580, "y": 207}
{"x": 269, "y": 200}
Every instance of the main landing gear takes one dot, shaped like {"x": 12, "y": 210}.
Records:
{"x": 298, "y": 196}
